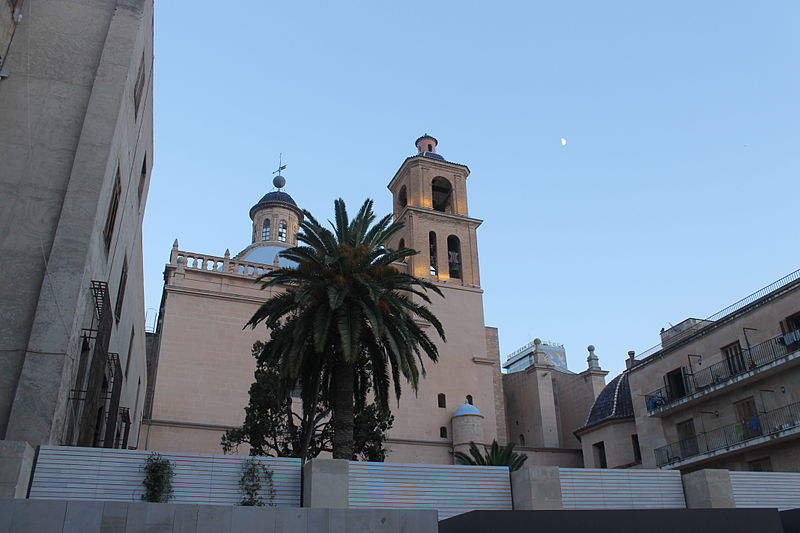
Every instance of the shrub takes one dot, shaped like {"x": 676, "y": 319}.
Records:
{"x": 255, "y": 476}
{"x": 158, "y": 474}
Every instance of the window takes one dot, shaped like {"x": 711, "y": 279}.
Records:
{"x": 123, "y": 280}
{"x": 760, "y": 465}
{"x": 130, "y": 352}
{"x": 791, "y": 335}
{"x": 402, "y": 197}
{"x": 111, "y": 217}
{"x": 432, "y": 252}
{"x": 265, "y": 230}
{"x": 143, "y": 177}
{"x": 599, "y": 452}
{"x": 282, "y": 231}
{"x": 443, "y": 432}
{"x": 734, "y": 359}
{"x": 430, "y": 147}
{"x": 469, "y": 399}
{"x": 521, "y": 439}
{"x": 442, "y": 400}
{"x": 138, "y": 88}
{"x": 637, "y": 452}
{"x": 401, "y": 244}
{"x": 454, "y": 256}
{"x": 441, "y": 195}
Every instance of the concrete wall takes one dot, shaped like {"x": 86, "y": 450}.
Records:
{"x": 574, "y": 395}
{"x": 69, "y": 127}
{"x": 545, "y": 405}
{"x": 58, "y": 516}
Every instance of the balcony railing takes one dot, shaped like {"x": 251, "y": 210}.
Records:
{"x": 756, "y": 426}
{"x": 749, "y": 359}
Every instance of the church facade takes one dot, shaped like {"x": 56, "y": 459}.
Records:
{"x": 201, "y": 366}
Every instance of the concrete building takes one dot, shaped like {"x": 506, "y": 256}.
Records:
{"x": 204, "y": 366}
{"x": 76, "y": 151}
{"x": 723, "y": 392}
{"x": 522, "y": 357}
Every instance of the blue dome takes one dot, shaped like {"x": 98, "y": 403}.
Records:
{"x": 466, "y": 409}
{"x": 265, "y": 255}
{"x": 277, "y": 196}
{"x": 614, "y": 401}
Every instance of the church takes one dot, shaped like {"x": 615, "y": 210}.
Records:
{"x": 201, "y": 367}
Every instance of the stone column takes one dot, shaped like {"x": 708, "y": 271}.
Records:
{"x": 536, "y": 487}
{"x": 16, "y": 464}
{"x": 708, "y": 489}
{"x": 326, "y": 483}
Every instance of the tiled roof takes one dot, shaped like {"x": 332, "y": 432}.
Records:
{"x": 614, "y": 401}
{"x": 277, "y": 196}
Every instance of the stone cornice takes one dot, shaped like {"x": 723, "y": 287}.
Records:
{"x": 418, "y": 160}
{"x": 432, "y": 214}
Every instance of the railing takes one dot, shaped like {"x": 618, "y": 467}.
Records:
{"x": 767, "y": 423}
{"x": 749, "y": 359}
{"x": 747, "y": 300}
{"x": 212, "y": 263}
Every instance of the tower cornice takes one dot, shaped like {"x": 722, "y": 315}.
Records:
{"x": 421, "y": 160}
{"x": 432, "y": 214}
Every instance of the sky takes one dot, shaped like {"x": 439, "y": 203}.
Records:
{"x": 675, "y": 195}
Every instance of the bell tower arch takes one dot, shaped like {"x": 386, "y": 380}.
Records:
{"x": 430, "y": 196}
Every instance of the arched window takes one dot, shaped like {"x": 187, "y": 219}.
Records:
{"x": 442, "y": 195}
{"x": 401, "y": 244}
{"x": 282, "y": 231}
{"x": 432, "y": 248}
{"x": 265, "y": 230}
{"x": 402, "y": 197}
{"x": 521, "y": 439}
{"x": 454, "y": 256}
{"x": 469, "y": 399}
{"x": 442, "y": 400}
{"x": 443, "y": 432}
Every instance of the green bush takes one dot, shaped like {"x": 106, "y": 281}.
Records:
{"x": 158, "y": 474}
{"x": 255, "y": 476}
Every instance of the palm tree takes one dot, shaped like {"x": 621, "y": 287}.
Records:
{"x": 496, "y": 456}
{"x": 348, "y": 318}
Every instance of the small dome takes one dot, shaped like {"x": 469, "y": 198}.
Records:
{"x": 614, "y": 401}
{"x": 466, "y": 409}
{"x": 265, "y": 254}
{"x": 277, "y": 196}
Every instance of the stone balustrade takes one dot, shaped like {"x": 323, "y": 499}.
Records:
{"x": 183, "y": 261}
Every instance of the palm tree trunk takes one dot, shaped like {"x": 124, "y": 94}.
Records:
{"x": 344, "y": 373}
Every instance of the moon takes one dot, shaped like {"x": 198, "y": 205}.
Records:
{"x": 563, "y": 141}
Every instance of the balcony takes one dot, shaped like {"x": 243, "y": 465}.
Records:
{"x": 751, "y": 361}
{"x": 767, "y": 426}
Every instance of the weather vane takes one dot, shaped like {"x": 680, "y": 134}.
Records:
{"x": 279, "y": 181}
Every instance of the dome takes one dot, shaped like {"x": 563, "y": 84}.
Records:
{"x": 466, "y": 409}
{"x": 614, "y": 401}
{"x": 277, "y": 196}
{"x": 265, "y": 255}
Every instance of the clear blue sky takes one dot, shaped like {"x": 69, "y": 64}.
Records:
{"x": 676, "y": 194}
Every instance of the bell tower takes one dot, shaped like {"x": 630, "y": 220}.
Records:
{"x": 430, "y": 196}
